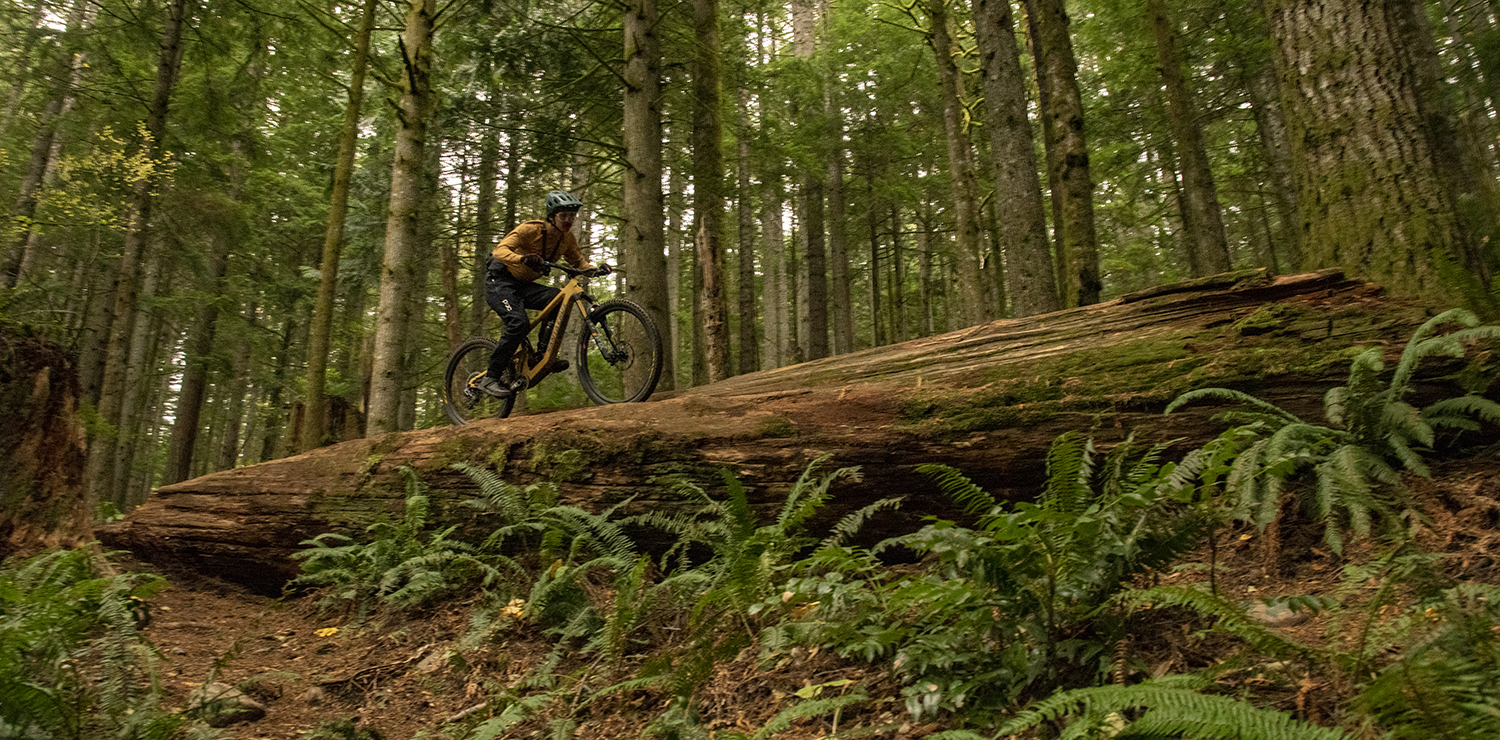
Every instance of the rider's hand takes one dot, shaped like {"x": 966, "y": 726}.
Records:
{"x": 603, "y": 269}
{"x": 534, "y": 261}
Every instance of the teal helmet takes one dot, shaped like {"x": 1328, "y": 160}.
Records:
{"x": 562, "y": 200}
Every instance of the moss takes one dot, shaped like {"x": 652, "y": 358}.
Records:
{"x": 776, "y": 427}
{"x": 372, "y": 461}
{"x": 1269, "y": 346}
{"x": 454, "y": 449}
{"x": 499, "y": 458}
{"x": 567, "y": 456}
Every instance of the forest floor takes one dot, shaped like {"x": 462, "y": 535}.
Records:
{"x": 396, "y": 674}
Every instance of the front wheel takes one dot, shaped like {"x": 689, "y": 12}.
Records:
{"x": 619, "y": 353}
{"x": 462, "y": 400}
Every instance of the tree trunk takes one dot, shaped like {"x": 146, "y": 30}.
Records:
{"x": 1073, "y": 186}
{"x": 1270, "y": 127}
{"x": 199, "y": 352}
{"x": 961, "y": 171}
{"x": 641, "y": 238}
{"x": 128, "y": 272}
{"x": 812, "y": 279}
{"x": 1206, "y": 225}
{"x": 1030, "y": 280}
{"x": 873, "y": 217}
{"x": 778, "y": 298}
{"x": 838, "y": 244}
{"x": 393, "y": 323}
{"x": 320, "y": 338}
{"x": 745, "y": 212}
{"x": 1379, "y": 200}
{"x": 226, "y": 455}
{"x": 484, "y": 216}
{"x": 708, "y": 192}
{"x": 140, "y": 377}
{"x": 63, "y": 68}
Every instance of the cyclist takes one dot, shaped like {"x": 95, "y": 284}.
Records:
{"x": 510, "y": 287}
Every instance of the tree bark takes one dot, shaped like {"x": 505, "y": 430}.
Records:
{"x": 1030, "y": 279}
{"x": 708, "y": 191}
{"x": 1377, "y": 173}
{"x": 393, "y": 323}
{"x": 641, "y": 237}
{"x": 320, "y": 338}
{"x": 745, "y": 212}
{"x": 973, "y": 307}
{"x": 1270, "y": 128}
{"x": 1073, "y": 186}
{"x": 812, "y": 279}
{"x": 1206, "y": 226}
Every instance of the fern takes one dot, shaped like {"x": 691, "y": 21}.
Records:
{"x": 1371, "y": 433}
{"x": 1228, "y": 618}
{"x": 59, "y": 615}
{"x": 400, "y": 565}
{"x": 1172, "y": 710}
{"x": 801, "y": 710}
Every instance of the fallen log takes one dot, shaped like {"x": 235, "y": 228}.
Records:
{"x": 988, "y": 400}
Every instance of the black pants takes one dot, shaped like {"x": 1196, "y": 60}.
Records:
{"x": 510, "y": 297}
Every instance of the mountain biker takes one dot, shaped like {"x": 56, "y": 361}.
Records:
{"x": 509, "y": 286}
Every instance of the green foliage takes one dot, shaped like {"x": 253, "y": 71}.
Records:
{"x": 747, "y": 558}
{"x": 1171, "y": 708}
{"x": 1446, "y": 683}
{"x": 401, "y": 565}
{"x": 1372, "y": 433}
{"x": 1011, "y": 605}
{"x": 801, "y": 710}
{"x": 73, "y": 664}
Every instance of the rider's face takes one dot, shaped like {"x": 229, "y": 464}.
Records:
{"x": 563, "y": 220}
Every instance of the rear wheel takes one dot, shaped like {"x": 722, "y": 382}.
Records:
{"x": 465, "y": 402}
{"x": 619, "y": 353}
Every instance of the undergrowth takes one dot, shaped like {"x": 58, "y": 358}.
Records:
{"x": 1019, "y": 617}
{"x": 73, "y": 664}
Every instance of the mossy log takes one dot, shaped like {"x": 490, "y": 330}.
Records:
{"x": 42, "y": 497}
{"x": 988, "y": 400}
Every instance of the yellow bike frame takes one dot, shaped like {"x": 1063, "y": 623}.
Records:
{"x": 571, "y": 295}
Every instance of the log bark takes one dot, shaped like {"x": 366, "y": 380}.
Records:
{"x": 987, "y": 399}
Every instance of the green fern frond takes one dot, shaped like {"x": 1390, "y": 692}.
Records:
{"x": 851, "y": 523}
{"x": 1336, "y": 406}
{"x": 975, "y": 500}
{"x": 1069, "y": 470}
{"x": 804, "y": 709}
{"x": 1451, "y": 412}
{"x": 1174, "y": 711}
{"x": 811, "y": 492}
{"x": 1228, "y": 618}
{"x": 1226, "y": 394}
{"x": 1421, "y": 345}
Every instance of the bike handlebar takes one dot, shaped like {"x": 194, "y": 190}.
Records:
{"x": 575, "y": 272}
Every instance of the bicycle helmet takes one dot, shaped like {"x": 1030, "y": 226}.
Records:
{"x": 562, "y": 200}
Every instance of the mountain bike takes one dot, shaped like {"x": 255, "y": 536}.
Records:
{"x": 619, "y": 354}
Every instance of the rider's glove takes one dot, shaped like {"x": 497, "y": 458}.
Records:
{"x": 603, "y": 269}
{"x": 534, "y": 261}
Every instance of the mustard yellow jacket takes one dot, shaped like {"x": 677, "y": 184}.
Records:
{"x": 537, "y": 237}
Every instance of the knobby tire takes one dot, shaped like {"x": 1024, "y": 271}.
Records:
{"x": 620, "y": 353}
